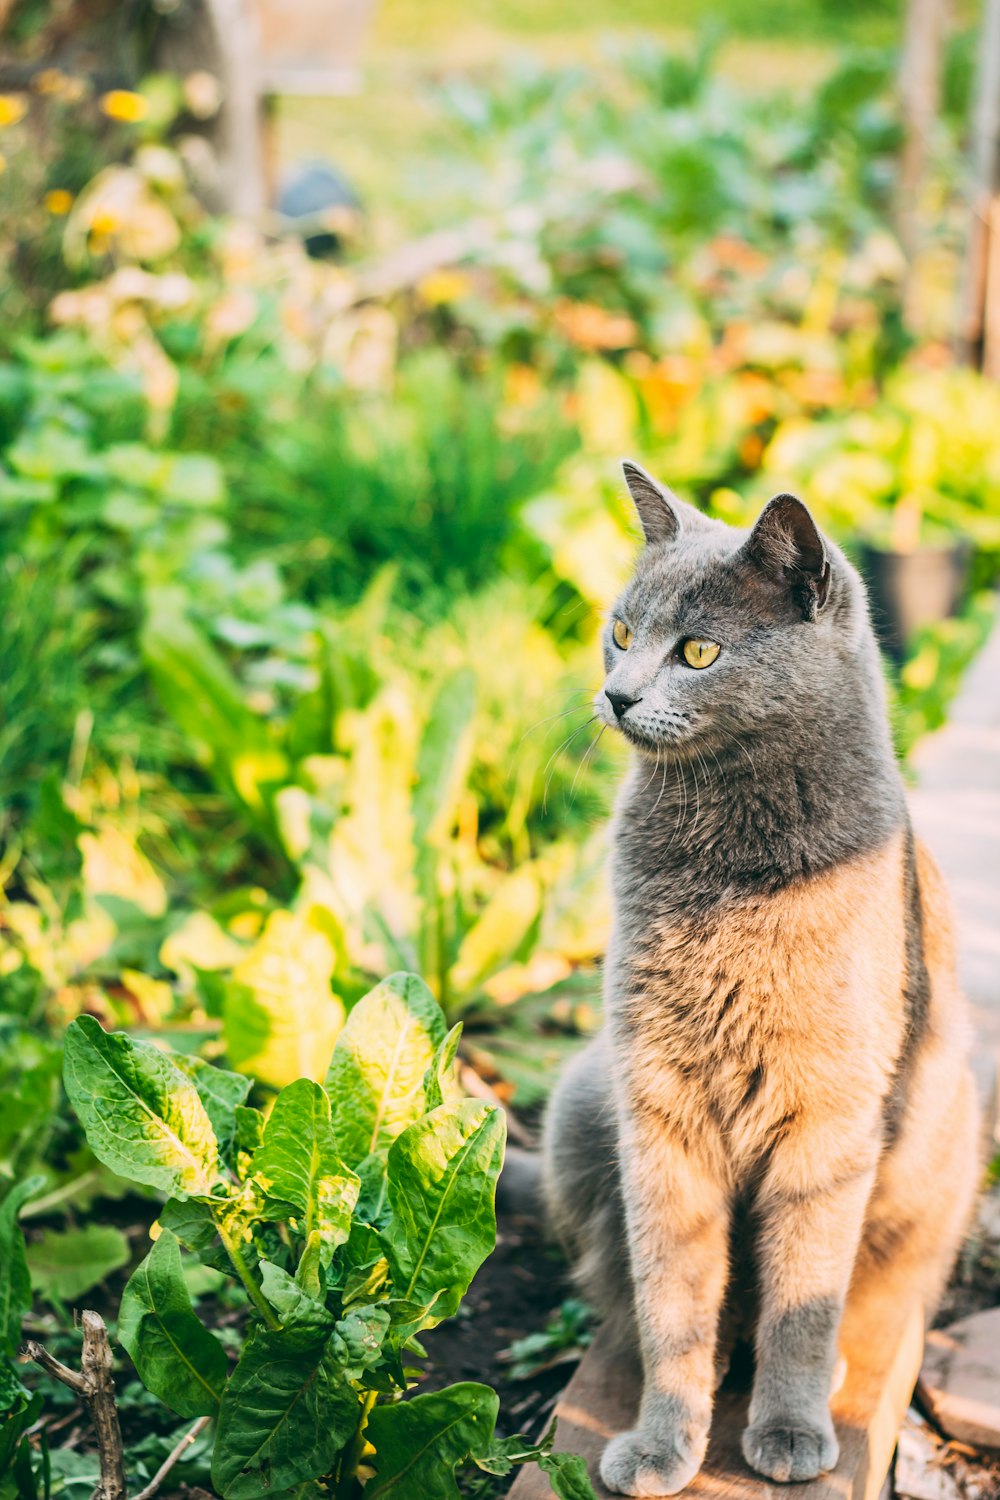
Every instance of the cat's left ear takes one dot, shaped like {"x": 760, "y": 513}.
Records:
{"x": 786, "y": 544}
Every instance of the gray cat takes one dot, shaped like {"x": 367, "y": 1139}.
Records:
{"x": 778, "y": 1115}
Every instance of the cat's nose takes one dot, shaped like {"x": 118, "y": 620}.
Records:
{"x": 620, "y": 701}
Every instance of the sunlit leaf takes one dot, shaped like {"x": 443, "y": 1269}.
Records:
{"x": 501, "y": 929}
{"x": 143, "y": 1118}
{"x": 376, "y": 1080}
{"x": 442, "y": 763}
{"x": 280, "y": 1017}
{"x": 221, "y": 1092}
{"x": 298, "y": 1167}
{"x": 441, "y": 1085}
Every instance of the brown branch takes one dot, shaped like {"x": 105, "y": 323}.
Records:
{"x": 171, "y": 1459}
{"x": 61, "y": 1372}
{"x": 97, "y": 1364}
{"x": 96, "y": 1386}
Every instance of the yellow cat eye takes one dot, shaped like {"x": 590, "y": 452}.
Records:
{"x": 622, "y": 635}
{"x": 700, "y": 653}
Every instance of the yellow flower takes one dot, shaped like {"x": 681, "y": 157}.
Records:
{"x": 12, "y": 109}
{"x": 103, "y": 222}
{"x": 3, "y": 163}
{"x": 58, "y": 201}
{"x": 122, "y": 105}
{"x": 440, "y": 287}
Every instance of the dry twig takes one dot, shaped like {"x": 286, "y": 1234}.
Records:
{"x": 95, "y": 1386}
{"x": 171, "y": 1459}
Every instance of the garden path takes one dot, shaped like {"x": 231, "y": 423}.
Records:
{"x": 956, "y": 810}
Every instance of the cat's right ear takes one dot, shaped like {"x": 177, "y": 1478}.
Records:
{"x": 655, "y": 505}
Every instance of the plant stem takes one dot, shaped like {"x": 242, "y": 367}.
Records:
{"x": 242, "y": 1270}
{"x": 58, "y": 1195}
{"x": 352, "y": 1455}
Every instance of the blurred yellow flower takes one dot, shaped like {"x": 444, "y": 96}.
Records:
{"x": 118, "y": 210}
{"x": 122, "y": 105}
{"x": 522, "y": 385}
{"x": 103, "y": 222}
{"x": 58, "y": 201}
{"x": 247, "y": 924}
{"x": 441, "y": 287}
{"x": 3, "y": 163}
{"x": 12, "y": 109}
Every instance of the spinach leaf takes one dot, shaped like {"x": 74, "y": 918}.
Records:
{"x": 442, "y": 1182}
{"x": 419, "y": 1443}
{"x": 298, "y": 1169}
{"x": 223, "y": 1093}
{"x": 376, "y": 1080}
{"x": 293, "y": 1304}
{"x": 286, "y": 1414}
{"x": 15, "y": 1283}
{"x": 176, "y": 1357}
{"x": 143, "y": 1117}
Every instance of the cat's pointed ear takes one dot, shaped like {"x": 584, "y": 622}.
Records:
{"x": 786, "y": 544}
{"x": 658, "y": 509}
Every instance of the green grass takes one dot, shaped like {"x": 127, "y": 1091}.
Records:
{"x": 436, "y": 23}
{"x": 389, "y": 137}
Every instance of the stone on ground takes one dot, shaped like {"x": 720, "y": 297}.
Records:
{"x": 960, "y": 1379}
{"x": 920, "y": 1474}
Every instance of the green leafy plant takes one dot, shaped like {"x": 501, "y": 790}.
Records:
{"x": 564, "y": 1337}
{"x": 354, "y": 1216}
{"x": 930, "y": 677}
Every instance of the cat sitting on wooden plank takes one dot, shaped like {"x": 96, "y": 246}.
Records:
{"x": 778, "y": 1114}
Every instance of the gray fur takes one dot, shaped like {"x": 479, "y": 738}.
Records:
{"x": 740, "y": 1139}
{"x": 781, "y": 747}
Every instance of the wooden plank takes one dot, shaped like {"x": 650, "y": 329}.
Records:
{"x": 883, "y": 1362}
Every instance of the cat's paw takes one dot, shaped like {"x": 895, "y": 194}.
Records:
{"x": 789, "y": 1449}
{"x": 634, "y": 1463}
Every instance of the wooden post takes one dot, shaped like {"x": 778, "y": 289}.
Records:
{"x": 883, "y": 1352}
{"x": 981, "y": 293}
{"x": 919, "y": 90}
{"x": 243, "y": 171}
{"x": 220, "y": 36}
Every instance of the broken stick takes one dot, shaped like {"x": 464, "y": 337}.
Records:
{"x": 95, "y": 1385}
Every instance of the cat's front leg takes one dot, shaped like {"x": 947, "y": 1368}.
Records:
{"x": 678, "y": 1223}
{"x": 812, "y": 1209}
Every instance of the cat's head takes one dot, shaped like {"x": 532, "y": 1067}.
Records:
{"x": 723, "y": 632}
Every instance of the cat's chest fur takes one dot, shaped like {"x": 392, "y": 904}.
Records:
{"x": 736, "y": 1017}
